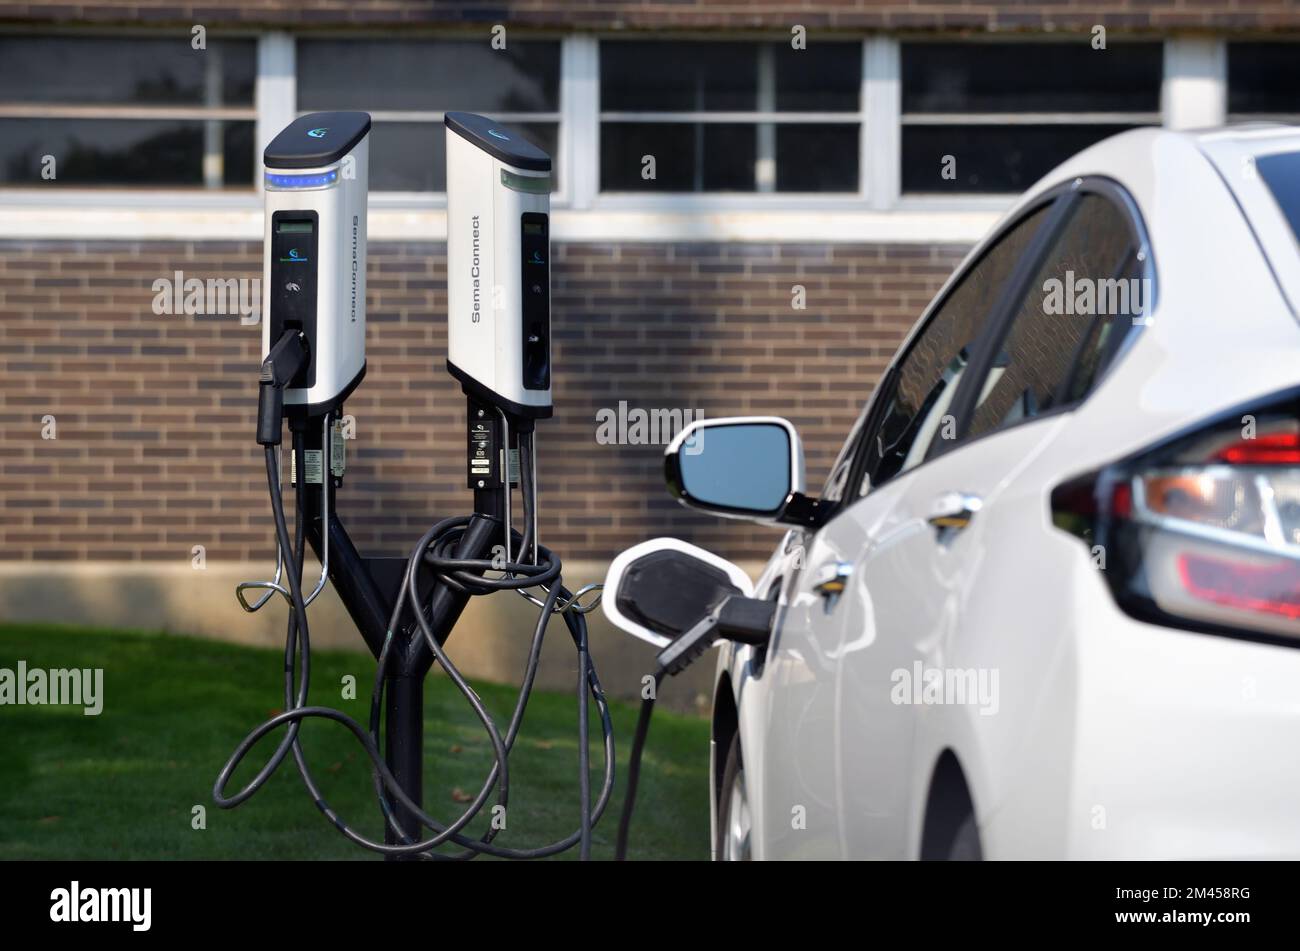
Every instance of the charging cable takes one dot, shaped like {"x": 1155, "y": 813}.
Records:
{"x": 741, "y": 619}
{"x": 435, "y": 550}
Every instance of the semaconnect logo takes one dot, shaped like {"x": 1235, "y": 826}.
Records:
{"x": 475, "y": 269}
{"x": 77, "y": 904}
{"x": 317, "y": 133}
{"x": 356, "y": 224}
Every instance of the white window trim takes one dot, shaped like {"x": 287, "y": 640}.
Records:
{"x": 55, "y": 111}
{"x": 911, "y": 222}
{"x": 1030, "y": 118}
{"x": 580, "y": 132}
{"x": 276, "y": 91}
{"x": 882, "y": 143}
{"x": 1193, "y": 93}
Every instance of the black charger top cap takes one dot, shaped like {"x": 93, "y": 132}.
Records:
{"x": 498, "y": 141}
{"x": 316, "y": 139}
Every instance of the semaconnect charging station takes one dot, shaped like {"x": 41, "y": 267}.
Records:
{"x": 313, "y": 346}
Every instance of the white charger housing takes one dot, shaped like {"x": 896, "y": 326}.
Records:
{"x": 314, "y": 263}
{"x": 498, "y": 265}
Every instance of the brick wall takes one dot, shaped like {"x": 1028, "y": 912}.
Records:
{"x": 154, "y": 448}
{"x": 948, "y": 15}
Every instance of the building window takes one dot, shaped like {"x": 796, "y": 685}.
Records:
{"x": 126, "y": 111}
{"x": 729, "y": 116}
{"x": 1264, "y": 81}
{"x": 407, "y": 85}
{"x": 995, "y": 117}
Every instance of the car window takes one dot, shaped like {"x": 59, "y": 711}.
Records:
{"x": 838, "y": 479}
{"x": 927, "y": 376}
{"x": 1282, "y": 175}
{"x": 1080, "y": 297}
{"x": 1107, "y": 333}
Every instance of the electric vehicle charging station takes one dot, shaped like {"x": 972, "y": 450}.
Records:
{"x": 313, "y": 346}
{"x": 498, "y": 248}
{"x": 313, "y": 271}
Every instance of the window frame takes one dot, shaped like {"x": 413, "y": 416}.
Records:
{"x": 1048, "y": 203}
{"x": 998, "y": 322}
{"x": 1287, "y": 118}
{"x": 998, "y": 341}
{"x": 1157, "y": 118}
{"x": 209, "y": 189}
{"x": 1003, "y": 316}
{"x": 759, "y": 117}
{"x": 869, "y": 420}
{"x": 879, "y": 213}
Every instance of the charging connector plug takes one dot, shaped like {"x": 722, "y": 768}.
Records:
{"x": 282, "y": 364}
{"x": 746, "y": 620}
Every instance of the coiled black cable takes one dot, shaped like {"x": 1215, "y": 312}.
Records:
{"x": 436, "y": 549}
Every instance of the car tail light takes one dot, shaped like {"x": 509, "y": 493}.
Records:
{"x": 1202, "y": 531}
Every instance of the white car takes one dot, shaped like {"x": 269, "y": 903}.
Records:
{"x": 1047, "y": 604}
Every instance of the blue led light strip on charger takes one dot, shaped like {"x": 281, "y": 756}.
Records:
{"x": 302, "y": 181}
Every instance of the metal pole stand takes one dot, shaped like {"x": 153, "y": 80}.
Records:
{"x": 369, "y": 588}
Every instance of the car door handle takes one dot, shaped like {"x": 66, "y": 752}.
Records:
{"x": 831, "y": 580}
{"x": 953, "y": 511}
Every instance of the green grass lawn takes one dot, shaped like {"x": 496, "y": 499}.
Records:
{"x": 123, "y": 785}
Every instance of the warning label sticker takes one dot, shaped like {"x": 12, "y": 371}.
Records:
{"x": 314, "y": 464}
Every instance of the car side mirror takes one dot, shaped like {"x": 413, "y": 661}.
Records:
{"x": 748, "y": 467}
{"x": 659, "y": 589}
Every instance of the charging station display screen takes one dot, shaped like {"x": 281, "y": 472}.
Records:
{"x": 536, "y": 248}
{"x": 293, "y": 279}
{"x": 294, "y": 227}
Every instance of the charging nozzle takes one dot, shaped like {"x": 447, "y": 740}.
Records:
{"x": 285, "y": 361}
{"x": 741, "y": 619}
